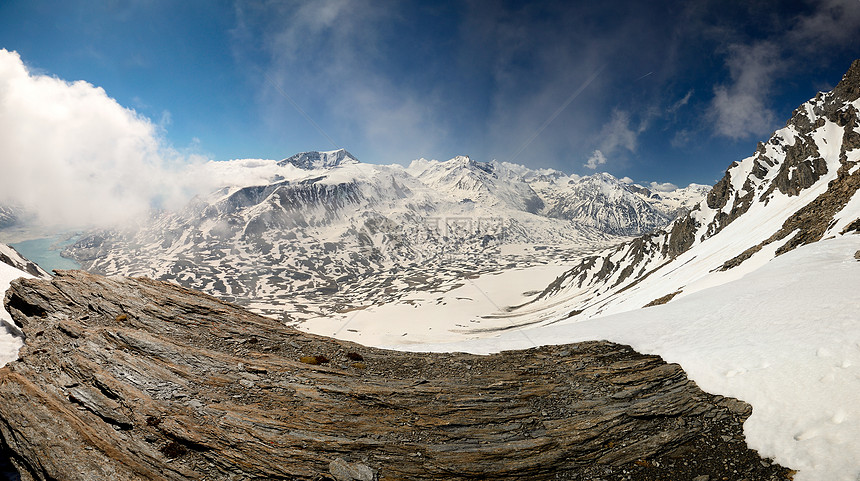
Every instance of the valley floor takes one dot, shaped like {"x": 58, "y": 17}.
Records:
{"x": 463, "y": 308}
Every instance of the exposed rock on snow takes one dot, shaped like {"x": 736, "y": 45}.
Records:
{"x": 137, "y": 379}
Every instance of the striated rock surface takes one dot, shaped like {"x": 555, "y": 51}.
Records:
{"x": 127, "y": 379}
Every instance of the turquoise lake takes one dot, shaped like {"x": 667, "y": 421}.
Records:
{"x": 46, "y": 252}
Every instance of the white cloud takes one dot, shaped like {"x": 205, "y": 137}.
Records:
{"x": 597, "y": 158}
{"x": 662, "y": 186}
{"x": 615, "y": 136}
{"x": 739, "y": 109}
{"x": 626, "y": 180}
{"x": 681, "y": 102}
{"x": 74, "y": 157}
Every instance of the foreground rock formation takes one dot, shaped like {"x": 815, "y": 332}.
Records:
{"x": 137, "y": 379}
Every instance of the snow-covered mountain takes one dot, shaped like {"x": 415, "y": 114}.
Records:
{"x": 320, "y": 160}
{"x": 602, "y": 200}
{"x": 8, "y": 216}
{"x": 798, "y": 187}
{"x": 326, "y": 228}
{"x": 489, "y": 184}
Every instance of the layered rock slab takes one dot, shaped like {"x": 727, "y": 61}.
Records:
{"x": 125, "y": 379}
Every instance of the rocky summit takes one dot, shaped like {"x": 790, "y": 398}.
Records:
{"x": 130, "y": 378}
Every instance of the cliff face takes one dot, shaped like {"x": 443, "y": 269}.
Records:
{"x": 137, "y": 379}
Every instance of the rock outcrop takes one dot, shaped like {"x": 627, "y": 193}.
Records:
{"x": 127, "y": 379}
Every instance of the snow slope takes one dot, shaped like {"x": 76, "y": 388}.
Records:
{"x": 799, "y": 187}
{"x": 10, "y": 342}
{"x": 784, "y": 338}
{"x": 465, "y": 308}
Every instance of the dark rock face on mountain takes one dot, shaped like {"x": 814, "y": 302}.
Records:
{"x": 137, "y": 379}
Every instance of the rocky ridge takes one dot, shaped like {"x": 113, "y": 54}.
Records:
{"x": 126, "y": 379}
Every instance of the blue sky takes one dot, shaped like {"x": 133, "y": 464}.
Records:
{"x": 656, "y": 91}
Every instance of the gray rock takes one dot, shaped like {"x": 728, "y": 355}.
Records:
{"x": 343, "y": 471}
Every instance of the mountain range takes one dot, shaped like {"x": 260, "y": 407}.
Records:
{"x": 327, "y": 232}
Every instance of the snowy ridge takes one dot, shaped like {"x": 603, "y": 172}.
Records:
{"x": 9, "y": 256}
{"x": 320, "y": 160}
{"x": 800, "y": 186}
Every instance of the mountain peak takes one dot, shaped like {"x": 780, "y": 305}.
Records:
{"x": 320, "y": 159}
{"x": 603, "y": 176}
{"x": 848, "y": 88}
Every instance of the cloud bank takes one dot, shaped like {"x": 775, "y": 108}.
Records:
{"x": 70, "y": 156}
